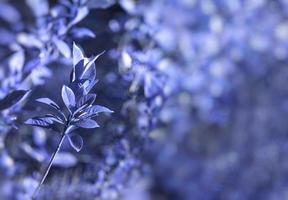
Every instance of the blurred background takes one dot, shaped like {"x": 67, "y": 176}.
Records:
{"x": 198, "y": 89}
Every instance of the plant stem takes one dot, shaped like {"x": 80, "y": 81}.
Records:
{"x": 48, "y": 167}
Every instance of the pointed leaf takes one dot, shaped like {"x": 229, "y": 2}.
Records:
{"x": 87, "y": 123}
{"x": 75, "y": 141}
{"x": 87, "y": 99}
{"x": 94, "y": 110}
{"x": 44, "y": 122}
{"x": 81, "y": 14}
{"x": 68, "y": 97}
{"x": 49, "y": 102}
{"x": 81, "y": 32}
{"x": 77, "y": 54}
{"x": 12, "y": 98}
{"x": 90, "y": 69}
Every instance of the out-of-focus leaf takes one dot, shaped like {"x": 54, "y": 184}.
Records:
{"x": 81, "y": 14}
{"x": 39, "y": 7}
{"x": 38, "y": 155}
{"x": 87, "y": 123}
{"x": 16, "y": 61}
{"x": 68, "y": 97}
{"x": 29, "y": 40}
{"x": 75, "y": 141}
{"x": 9, "y": 13}
{"x": 82, "y": 32}
{"x": 125, "y": 62}
{"x": 65, "y": 160}
{"x": 100, "y": 3}
{"x": 63, "y": 48}
{"x": 39, "y": 74}
{"x": 12, "y": 98}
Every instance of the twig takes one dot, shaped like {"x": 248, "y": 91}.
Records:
{"x": 48, "y": 167}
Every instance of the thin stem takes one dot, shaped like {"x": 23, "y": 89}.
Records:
{"x": 48, "y": 167}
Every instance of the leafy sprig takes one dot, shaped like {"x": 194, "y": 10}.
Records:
{"x": 79, "y": 103}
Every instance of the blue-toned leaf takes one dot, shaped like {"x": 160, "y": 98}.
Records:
{"x": 55, "y": 118}
{"x": 87, "y": 99}
{"x": 63, "y": 48}
{"x": 100, "y": 3}
{"x": 153, "y": 85}
{"x": 65, "y": 159}
{"x": 77, "y": 54}
{"x": 87, "y": 123}
{"x": 9, "y": 13}
{"x": 29, "y": 40}
{"x": 89, "y": 72}
{"x": 81, "y": 14}
{"x": 12, "y": 98}
{"x": 95, "y": 110}
{"x": 82, "y": 32}
{"x": 44, "y": 122}
{"x": 79, "y": 69}
{"x": 16, "y": 62}
{"x": 39, "y": 7}
{"x": 75, "y": 141}
{"x": 38, "y": 155}
{"x": 90, "y": 69}
{"x": 78, "y": 88}
{"x": 49, "y": 102}
{"x": 39, "y": 75}
{"x": 68, "y": 97}
{"x": 90, "y": 85}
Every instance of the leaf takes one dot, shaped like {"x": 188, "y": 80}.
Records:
{"x": 81, "y": 32}
{"x": 87, "y": 99}
{"x": 68, "y": 97}
{"x": 79, "y": 69}
{"x": 65, "y": 159}
{"x": 87, "y": 123}
{"x": 77, "y": 54}
{"x": 94, "y": 110}
{"x": 39, "y": 7}
{"x": 90, "y": 86}
{"x": 49, "y": 102}
{"x": 75, "y": 141}
{"x": 44, "y": 122}
{"x": 12, "y": 98}
{"x": 100, "y": 3}
{"x": 55, "y": 118}
{"x": 78, "y": 86}
{"x": 81, "y": 14}
{"x": 9, "y": 13}
{"x": 63, "y": 48}
{"x": 29, "y": 40}
{"x": 125, "y": 62}
{"x": 90, "y": 69}
{"x": 16, "y": 62}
